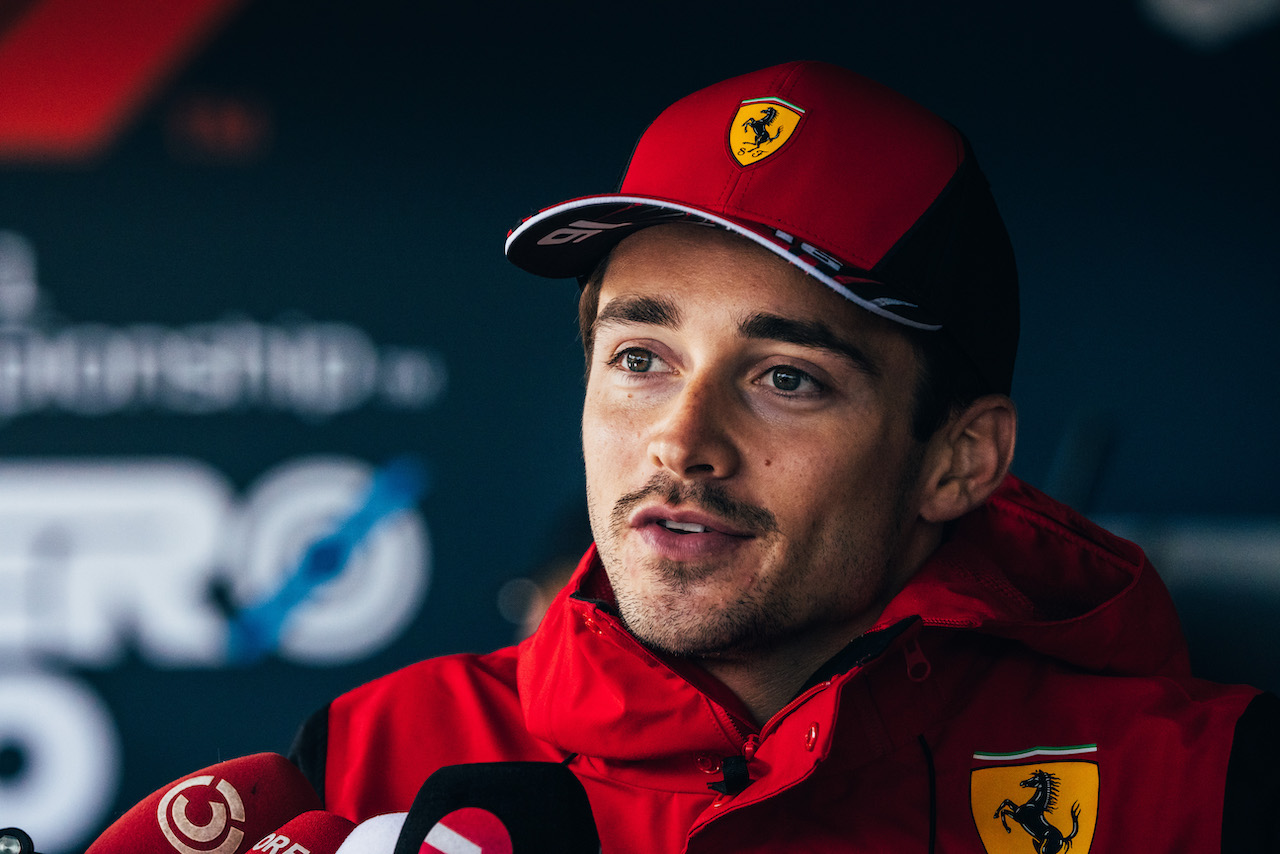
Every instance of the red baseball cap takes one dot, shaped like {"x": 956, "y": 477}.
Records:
{"x": 862, "y": 188}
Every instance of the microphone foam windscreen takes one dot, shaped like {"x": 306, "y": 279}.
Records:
{"x": 500, "y": 808}
{"x": 314, "y": 832}
{"x": 375, "y": 835}
{"x": 222, "y": 809}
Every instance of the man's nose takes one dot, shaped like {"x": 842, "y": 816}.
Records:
{"x": 693, "y": 437}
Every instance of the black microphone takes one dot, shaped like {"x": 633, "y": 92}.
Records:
{"x": 500, "y": 808}
{"x": 15, "y": 841}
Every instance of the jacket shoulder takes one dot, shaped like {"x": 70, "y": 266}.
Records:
{"x": 370, "y": 749}
{"x": 490, "y": 676}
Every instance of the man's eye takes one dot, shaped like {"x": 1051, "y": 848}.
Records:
{"x": 787, "y": 378}
{"x": 636, "y": 361}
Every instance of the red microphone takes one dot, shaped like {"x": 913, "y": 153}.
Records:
{"x": 314, "y": 832}
{"x": 222, "y": 809}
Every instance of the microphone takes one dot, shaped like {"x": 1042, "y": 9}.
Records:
{"x": 14, "y": 840}
{"x": 375, "y": 835}
{"x": 500, "y": 808}
{"x": 313, "y": 832}
{"x": 222, "y": 809}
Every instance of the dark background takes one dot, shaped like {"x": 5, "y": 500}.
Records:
{"x": 398, "y": 142}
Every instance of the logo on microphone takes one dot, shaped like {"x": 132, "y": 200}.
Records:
{"x": 469, "y": 830}
{"x": 193, "y": 829}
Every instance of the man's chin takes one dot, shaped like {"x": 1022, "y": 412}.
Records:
{"x": 673, "y": 646}
{"x": 686, "y": 589}
{"x": 692, "y": 633}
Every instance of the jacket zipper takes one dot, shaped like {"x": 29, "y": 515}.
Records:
{"x": 736, "y": 770}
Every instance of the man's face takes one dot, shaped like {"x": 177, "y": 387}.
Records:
{"x": 751, "y": 476}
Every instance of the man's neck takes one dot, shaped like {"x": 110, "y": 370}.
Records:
{"x": 767, "y": 681}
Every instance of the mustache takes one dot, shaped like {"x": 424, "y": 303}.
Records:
{"x": 712, "y": 497}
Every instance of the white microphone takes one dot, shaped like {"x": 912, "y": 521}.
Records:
{"x": 375, "y": 835}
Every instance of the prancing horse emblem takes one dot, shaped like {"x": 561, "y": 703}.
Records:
{"x": 1046, "y": 838}
{"x": 760, "y": 127}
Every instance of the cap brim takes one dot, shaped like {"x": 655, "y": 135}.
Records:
{"x": 570, "y": 239}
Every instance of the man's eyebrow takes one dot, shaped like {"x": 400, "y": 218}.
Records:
{"x": 636, "y": 309}
{"x": 807, "y": 333}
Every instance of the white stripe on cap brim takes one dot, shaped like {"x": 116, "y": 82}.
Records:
{"x": 880, "y": 306}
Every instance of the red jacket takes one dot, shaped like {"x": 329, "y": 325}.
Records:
{"x": 1032, "y": 641}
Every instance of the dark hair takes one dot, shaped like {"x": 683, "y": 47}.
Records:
{"x": 589, "y": 304}
{"x": 946, "y": 380}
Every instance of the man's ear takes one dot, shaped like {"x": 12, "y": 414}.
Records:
{"x": 968, "y": 458}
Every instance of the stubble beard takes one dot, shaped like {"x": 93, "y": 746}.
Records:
{"x": 670, "y": 622}
{"x": 674, "y": 614}
{"x": 672, "y": 617}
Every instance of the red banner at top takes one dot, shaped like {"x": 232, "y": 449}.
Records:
{"x": 73, "y": 73}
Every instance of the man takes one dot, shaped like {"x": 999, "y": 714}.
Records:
{"x": 819, "y": 614}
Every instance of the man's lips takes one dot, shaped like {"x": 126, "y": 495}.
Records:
{"x": 685, "y": 535}
{"x": 685, "y": 521}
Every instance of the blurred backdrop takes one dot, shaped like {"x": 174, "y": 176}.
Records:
{"x": 252, "y": 298}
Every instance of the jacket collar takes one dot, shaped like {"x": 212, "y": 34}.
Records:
{"x": 1023, "y": 568}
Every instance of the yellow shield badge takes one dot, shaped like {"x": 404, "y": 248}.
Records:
{"x": 761, "y": 127}
{"x": 1047, "y": 807}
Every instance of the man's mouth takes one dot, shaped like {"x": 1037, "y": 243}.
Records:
{"x": 683, "y": 527}
{"x": 689, "y": 533}
{"x": 672, "y": 511}
{"x": 685, "y": 521}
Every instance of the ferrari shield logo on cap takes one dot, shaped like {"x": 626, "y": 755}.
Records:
{"x": 1047, "y": 806}
{"x": 761, "y": 127}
